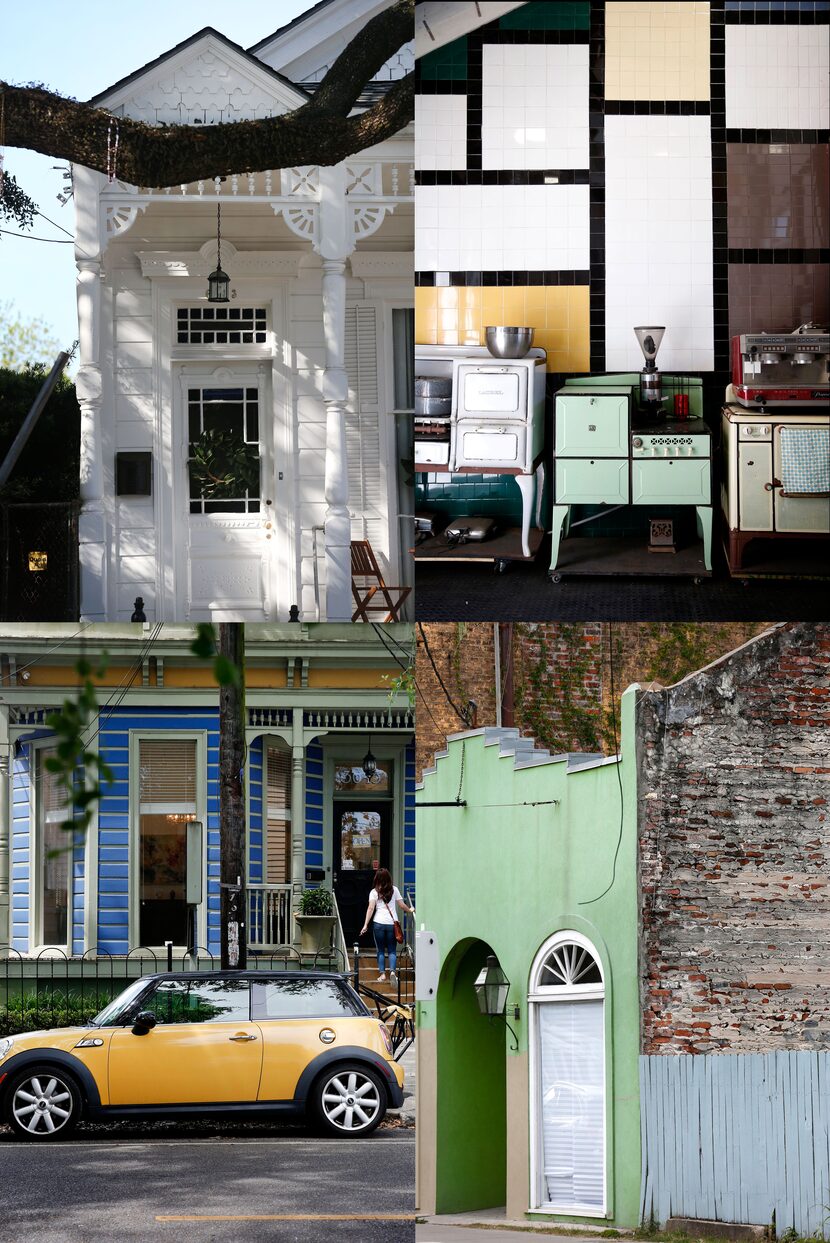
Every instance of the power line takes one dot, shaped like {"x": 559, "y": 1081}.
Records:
{"x": 610, "y": 884}
{"x": 463, "y": 718}
{"x": 49, "y": 651}
{"x": 55, "y": 223}
{"x": 32, "y": 237}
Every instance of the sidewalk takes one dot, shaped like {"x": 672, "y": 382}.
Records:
{"x": 491, "y": 1226}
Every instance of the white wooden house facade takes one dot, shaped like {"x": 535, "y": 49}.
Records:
{"x": 307, "y": 365}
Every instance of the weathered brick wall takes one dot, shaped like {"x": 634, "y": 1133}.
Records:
{"x": 559, "y": 684}
{"x": 464, "y": 656}
{"x": 734, "y": 770}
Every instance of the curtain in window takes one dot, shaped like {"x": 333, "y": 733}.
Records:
{"x": 168, "y": 771}
{"x": 278, "y": 820}
{"x": 572, "y": 1074}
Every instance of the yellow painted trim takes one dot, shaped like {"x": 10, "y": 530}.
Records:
{"x": 65, "y": 675}
{"x": 366, "y": 678}
{"x": 268, "y": 679}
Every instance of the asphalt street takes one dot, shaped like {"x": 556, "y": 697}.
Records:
{"x": 245, "y": 1184}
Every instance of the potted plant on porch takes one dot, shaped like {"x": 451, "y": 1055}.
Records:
{"x": 315, "y": 919}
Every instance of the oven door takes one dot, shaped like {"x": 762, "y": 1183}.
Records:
{"x": 432, "y": 452}
{"x": 486, "y": 393}
{"x": 796, "y": 513}
{"x": 492, "y": 445}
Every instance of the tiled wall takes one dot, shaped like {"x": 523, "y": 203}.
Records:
{"x": 584, "y": 167}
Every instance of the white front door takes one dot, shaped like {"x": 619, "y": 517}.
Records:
{"x": 224, "y": 488}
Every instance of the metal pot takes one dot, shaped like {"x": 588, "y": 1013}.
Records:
{"x": 433, "y": 386}
{"x": 505, "y": 342}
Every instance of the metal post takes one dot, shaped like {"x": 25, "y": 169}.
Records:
{"x": 168, "y": 945}
{"x": 356, "y": 965}
{"x": 45, "y": 392}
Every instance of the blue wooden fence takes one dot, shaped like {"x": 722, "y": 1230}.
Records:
{"x": 736, "y": 1137}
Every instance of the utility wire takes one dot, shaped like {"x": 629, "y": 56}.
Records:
{"x": 610, "y": 884}
{"x": 462, "y": 716}
{"x": 56, "y": 225}
{"x": 49, "y": 651}
{"x": 32, "y": 237}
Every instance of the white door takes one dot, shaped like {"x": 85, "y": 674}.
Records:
{"x": 810, "y": 512}
{"x": 224, "y": 487}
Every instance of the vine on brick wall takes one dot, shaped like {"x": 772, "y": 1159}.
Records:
{"x": 547, "y": 706}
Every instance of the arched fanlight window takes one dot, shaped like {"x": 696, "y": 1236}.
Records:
{"x": 568, "y": 964}
{"x": 567, "y": 1079}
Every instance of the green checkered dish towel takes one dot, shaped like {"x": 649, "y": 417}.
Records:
{"x": 805, "y": 460}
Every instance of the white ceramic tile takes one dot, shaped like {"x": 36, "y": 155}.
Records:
{"x": 534, "y": 106}
{"x": 501, "y": 228}
{"x": 658, "y": 239}
{"x": 777, "y": 77}
{"x": 441, "y": 131}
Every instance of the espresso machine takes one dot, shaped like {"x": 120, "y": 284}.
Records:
{"x": 781, "y": 368}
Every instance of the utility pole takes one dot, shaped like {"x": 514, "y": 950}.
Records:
{"x": 234, "y": 931}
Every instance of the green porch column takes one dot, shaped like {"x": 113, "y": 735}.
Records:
{"x": 297, "y": 803}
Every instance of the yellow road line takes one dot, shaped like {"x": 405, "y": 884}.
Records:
{"x": 288, "y": 1217}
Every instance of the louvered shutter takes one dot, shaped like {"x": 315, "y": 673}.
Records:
{"x": 278, "y": 817}
{"x": 367, "y": 485}
{"x": 573, "y": 1099}
{"x": 167, "y": 775}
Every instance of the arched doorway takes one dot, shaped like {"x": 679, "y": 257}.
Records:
{"x": 567, "y": 1078}
{"x": 471, "y": 1115}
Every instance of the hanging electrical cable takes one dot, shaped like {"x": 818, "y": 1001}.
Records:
{"x": 461, "y": 713}
{"x": 610, "y": 884}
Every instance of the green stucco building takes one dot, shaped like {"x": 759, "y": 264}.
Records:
{"x": 531, "y": 858}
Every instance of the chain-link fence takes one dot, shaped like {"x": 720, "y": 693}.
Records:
{"x": 39, "y": 561}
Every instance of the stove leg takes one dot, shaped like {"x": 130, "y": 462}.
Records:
{"x": 704, "y": 528}
{"x": 540, "y": 492}
{"x": 560, "y": 519}
{"x": 526, "y": 483}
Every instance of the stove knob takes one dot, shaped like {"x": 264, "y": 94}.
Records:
{"x": 638, "y": 442}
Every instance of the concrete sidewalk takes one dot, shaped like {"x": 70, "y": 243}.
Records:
{"x": 491, "y": 1226}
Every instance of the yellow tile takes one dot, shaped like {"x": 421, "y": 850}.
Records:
{"x": 426, "y": 318}
{"x": 514, "y": 306}
{"x": 446, "y": 337}
{"x": 447, "y": 297}
{"x": 657, "y": 51}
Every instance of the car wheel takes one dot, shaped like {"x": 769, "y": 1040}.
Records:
{"x": 349, "y": 1100}
{"x": 43, "y": 1103}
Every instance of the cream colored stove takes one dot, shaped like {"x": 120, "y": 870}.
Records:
{"x": 755, "y": 501}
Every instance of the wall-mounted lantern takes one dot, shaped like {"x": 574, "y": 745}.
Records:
{"x": 491, "y": 988}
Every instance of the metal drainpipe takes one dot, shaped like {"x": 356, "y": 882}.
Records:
{"x": 506, "y": 695}
{"x": 497, "y": 662}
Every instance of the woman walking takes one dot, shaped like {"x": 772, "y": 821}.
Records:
{"x": 382, "y": 914}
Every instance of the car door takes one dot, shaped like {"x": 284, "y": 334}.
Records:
{"x": 299, "y": 1018}
{"x": 204, "y": 1048}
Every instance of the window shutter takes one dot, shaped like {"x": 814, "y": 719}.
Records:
{"x": 167, "y": 770}
{"x": 572, "y": 1077}
{"x": 367, "y": 485}
{"x": 278, "y": 817}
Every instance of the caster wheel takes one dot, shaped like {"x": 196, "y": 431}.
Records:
{"x": 500, "y": 566}
{"x": 698, "y": 581}
{"x": 555, "y": 576}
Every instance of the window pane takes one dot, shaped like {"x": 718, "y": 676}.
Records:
{"x": 359, "y": 840}
{"x": 167, "y": 771}
{"x": 200, "y": 1001}
{"x": 54, "y": 856}
{"x": 163, "y": 864}
{"x": 349, "y": 778}
{"x": 573, "y": 1089}
{"x": 403, "y": 355}
{"x": 301, "y": 999}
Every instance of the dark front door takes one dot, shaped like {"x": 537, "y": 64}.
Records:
{"x": 359, "y": 848}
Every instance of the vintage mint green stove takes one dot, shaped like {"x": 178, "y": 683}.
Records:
{"x": 604, "y": 456}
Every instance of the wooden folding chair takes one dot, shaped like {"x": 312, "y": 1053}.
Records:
{"x": 367, "y": 583}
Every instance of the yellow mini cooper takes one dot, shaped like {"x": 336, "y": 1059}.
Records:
{"x": 253, "y": 1044}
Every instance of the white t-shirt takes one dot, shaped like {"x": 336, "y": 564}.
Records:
{"x": 382, "y": 913}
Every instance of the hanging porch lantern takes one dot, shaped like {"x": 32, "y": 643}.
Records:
{"x": 218, "y": 281}
{"x": 492, "y": 987}
{"x": 370, "y": 764}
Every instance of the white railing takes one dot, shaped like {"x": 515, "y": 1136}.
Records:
{"x": 393, "y": 180}
{"x": 376, "y": 720}
{"x": 339, "y": 939}
{"x": 270, "y": 917}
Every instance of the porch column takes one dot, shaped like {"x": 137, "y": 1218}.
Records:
{"x": 335, "y": 245}
{"x": 89, "y": 390}
{"x": 297, "y": 803}
{"x": 5, "y": 828}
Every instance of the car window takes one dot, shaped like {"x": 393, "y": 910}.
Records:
{"x": 301, "y": 999}
{"x": 200, "y": 1001}
{"x": 118, "y": 1009}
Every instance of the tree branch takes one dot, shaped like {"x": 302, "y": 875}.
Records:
{"x": 320, "y": 132}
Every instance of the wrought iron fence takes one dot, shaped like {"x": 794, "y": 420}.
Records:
{"x": 53, "y": 989}
{"x": 39, "y": 560}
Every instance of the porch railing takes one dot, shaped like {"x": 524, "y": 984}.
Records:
{"x": 339, "y": 937}
{"x": 270, "y": 917}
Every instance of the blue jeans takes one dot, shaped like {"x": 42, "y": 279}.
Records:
{"x": 385, "y": 943}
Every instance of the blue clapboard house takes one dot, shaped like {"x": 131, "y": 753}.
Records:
{"x": 329, "y": 785}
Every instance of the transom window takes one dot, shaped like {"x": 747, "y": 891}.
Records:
{"x": 568, "y": 964}
{"x": 221, "y": 325}
{"x": 223, "y": 461}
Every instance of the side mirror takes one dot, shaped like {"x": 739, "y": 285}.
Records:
{"x": 144, "y": 1021}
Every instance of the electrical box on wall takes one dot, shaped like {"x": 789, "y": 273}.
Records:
{"x": 134, "y": 473}
{"x": 427, "y": 966}
{"x": 315, "y": 874}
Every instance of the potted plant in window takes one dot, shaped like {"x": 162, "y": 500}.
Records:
{"x": 315, "y": 919}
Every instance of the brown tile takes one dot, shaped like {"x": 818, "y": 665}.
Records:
{"x": 777, "y": 297}
{"x": 778, "y": 195}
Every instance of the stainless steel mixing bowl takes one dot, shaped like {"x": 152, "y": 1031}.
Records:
{"x": 508, "y": 342}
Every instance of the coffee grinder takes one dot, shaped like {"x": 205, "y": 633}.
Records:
{"x": 651, "y": 381}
